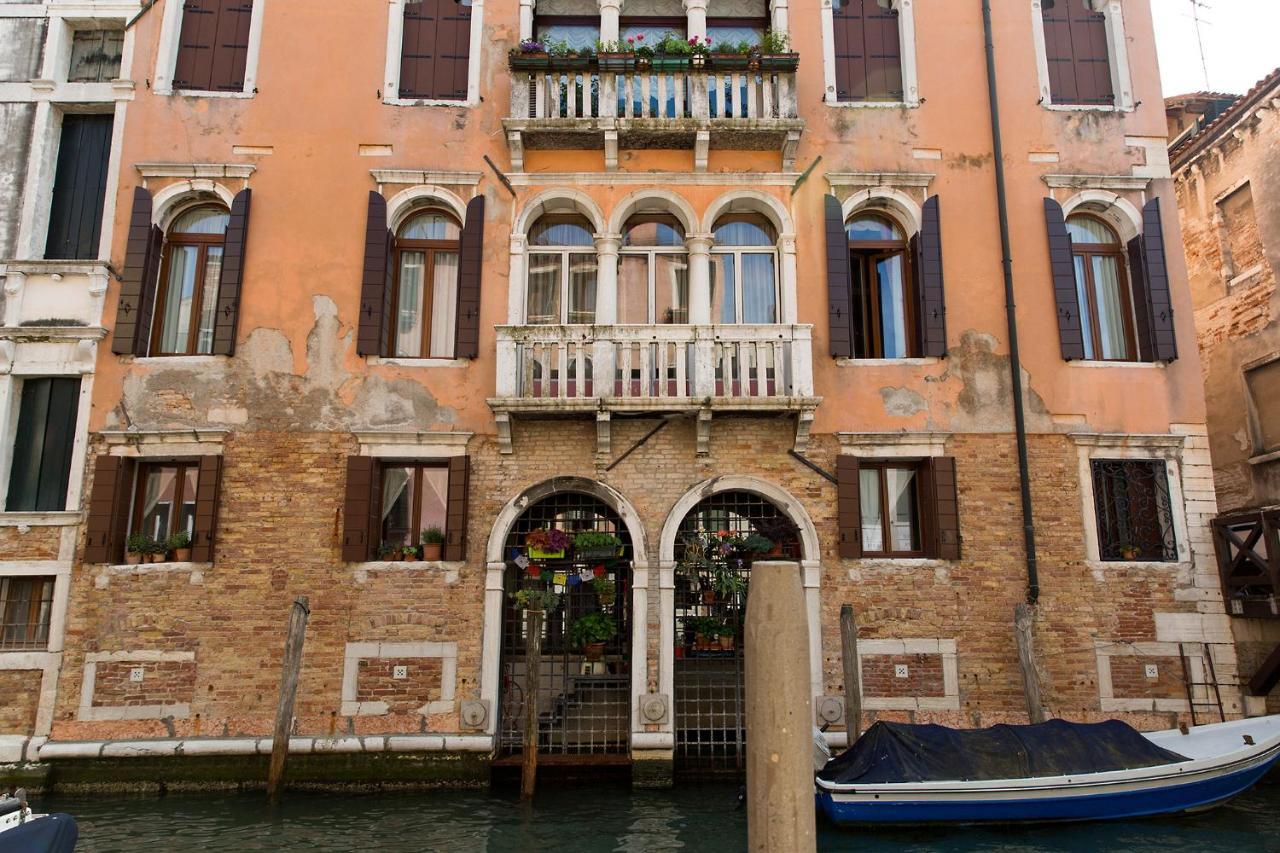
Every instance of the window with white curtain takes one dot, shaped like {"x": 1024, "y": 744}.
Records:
{"x": 890, "y": 505}
{"x": 653, "y": 271}
{"x": 426, "y": 288}
{"x": 1102, "y": 288}
{"x": 414, "y": 499}
{"x": 187, "y": 300}
{"x": 561, "y": 279}
{"x": 744, "y": 270}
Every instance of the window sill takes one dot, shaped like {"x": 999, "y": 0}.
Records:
{"x": 450, "y": 568}
{"x": 189, "y": 93}
{"x": 1264, "y": 458}
{"x": 1085, "y": 108}
{"x": 886, "y": 562}
{"x": 426, "y": 102}
{"x": 195, "y": 570}
{"x": 1145, "y": 365}
{"x": 888, "y": 362}
{"x": 872, "y": 105}
{"x": 39, "y": 519}
{"x": 419, "y": 362}
{"x": 1170, "y": 565}
{"x": 175, "y": 359}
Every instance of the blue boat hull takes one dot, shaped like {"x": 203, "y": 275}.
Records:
{"x": 1149, "y": 801}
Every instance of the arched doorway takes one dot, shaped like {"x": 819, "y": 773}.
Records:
{"x": 715, "y": 543}
{"x": 584, "y": 707}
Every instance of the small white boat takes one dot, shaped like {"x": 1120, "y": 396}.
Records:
{"x": 22, "y": 831}
{"x": 1126, "y": 774}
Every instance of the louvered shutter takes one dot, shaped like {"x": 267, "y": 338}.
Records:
{"x": 884, "y": 53}
{"x": 208, "y": 495}
{"x": 137, "y": 286}
{"x": 850, "y": 51}
{"x": 1141, "y": 301}
{"x": 358, "y": 509}
{"x": 929, "y": 282}
{"x": 231, "y": 50}
{"x": 230, "y": 281}
{"x": 436, "y": 49}
{"x": 839, "y": 314}
{"x": 1164, "y": 343}
{"x": 375, "y": 287}
{"x": 946, "y": 509}
{"x": 1063, "y": 270}
{"x": 470, "y": 266}
{"x": 213, "y": 47}
{"x": 848, "y": 507}
{"x": 1077, "y": 53}
{"x": 455, "y": 545}
{"x": 108, "y": 505}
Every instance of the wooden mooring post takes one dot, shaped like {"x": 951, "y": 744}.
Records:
{"x": 849, "y": 662}
{"x": 532, "y": 672}
{"x": 1024, "y": 621}
{"x": 288, "y": 693}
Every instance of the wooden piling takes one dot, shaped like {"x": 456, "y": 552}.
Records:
{"x": 1023, "y": 627}
{"x": 532, "y": 673}
{"x": 849, "y": 661}
{"x": 288, "y": 693}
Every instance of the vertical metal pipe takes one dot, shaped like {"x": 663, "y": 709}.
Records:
{"x": 1011, "y": 314}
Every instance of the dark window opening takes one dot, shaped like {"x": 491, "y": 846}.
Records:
{"x": 79, "y": 187}
{"x": 1102, "y": 288}
{"x": 25, "y": 605}
{"x": 882, "y": 289}
{"x": 187, "y": 299}
{"x": 43, "y": 445}
{"x": 414, "y": 499}
{"x": 1135, "y": 517}
{"x": 165, "y": 502}
{"x": 425, "y": 296}
{"x": 95, "y": 56}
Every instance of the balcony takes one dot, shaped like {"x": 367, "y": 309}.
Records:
{"x": 694, "y": 109}
{"x": 549, "y": 371}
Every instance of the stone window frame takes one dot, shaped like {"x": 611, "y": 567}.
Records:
{"x": 1259, "y": 454}
{"x": 1104, "y": 651}
{"x": 1232, "y": 277}
{"x": 447, "y": 653}
{"x": 167, "y": 54}
{"x": 89, "y": 712}
{"x": 1117, "y": 54}
{"x": 395, "y": 47}
{"x": 1167, "y": 448}
{"x": 945, "y": 647}
{"x": 907, "y": 50}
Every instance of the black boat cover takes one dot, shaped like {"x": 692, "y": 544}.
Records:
{"x": 900, "y": 752}
{"x": 56, "y": 833}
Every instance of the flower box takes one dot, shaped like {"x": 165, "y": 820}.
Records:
{"x": 616, "y": 62}
{"x": 670, "y": 63}
{"x": 780, "y": 62}
{"x": 539, "y": 554}
{"x": 571, "y": 63}
{"x": 528, "y": 61}
{"x": 730, "y": 61}
{"x": 591, "y": 555}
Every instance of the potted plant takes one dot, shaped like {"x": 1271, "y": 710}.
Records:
{"x": 1129, "y": 551}
{"x": 615, "y": 56}
{"x": 644, "y": 52}
{"x": 156, "y": 551}
{"x": 732, "y": 57}
{"x": 672, "y": 53}
{"x": 725, "y": 636}
{"x": 432, "y": 543}
{"x": 727, "y": 582}
{"x": 590, "y": 633}
{"x": 136, "y": 549}
{"x": 592, "y": 545}
{"x": 569, "y": 58}
{"x": 180, "y": 544}
{"x": 389, "y": 551}
{"x": 699, "y": 52}
{"x": 410, "y": 553}
{"x": 536, "y": 598}
{"x": 544, "y": 544}
{"x": 606, "y": 591}
{"x": 706, "y": 630}
{"x": 776, "y": 53}
{"x": 530, "y": 55}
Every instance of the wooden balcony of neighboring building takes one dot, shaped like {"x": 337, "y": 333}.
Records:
{"x": 600, "y": 371}
{"x": 692, "y": 109}
{"x": 1248, "y": 550}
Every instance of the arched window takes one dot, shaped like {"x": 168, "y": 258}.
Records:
{"x": 426, "y": 290}
{"x": 882, "y": 289}
{"x": 744, "y": 270}
{"x": 1102, "y": 289}
{"x": 653, "y": 271}
{"x": 562, "y": 271}
{"x": 187, "y": 301}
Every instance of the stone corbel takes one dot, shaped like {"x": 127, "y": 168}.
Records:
{"x": 503, "y": 422}
{"x": 611, "y": 150}
{"x": 86, "y": 354}
{"x": 804, "y": 422}
{"x": 13, "y": 284}
{"x": 602, "y": 433}
{"x": 8, "y": 348}
{"x": 515, "y": 149}
{"x": 701, "y": 150}
{"x": 704, "y": 432}
{"x": 790, "y": 146}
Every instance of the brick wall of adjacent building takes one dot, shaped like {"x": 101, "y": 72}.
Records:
{"x": 376, "y": 682}
{"x": 20, "y": 689}
{"x": 1129, "y": 679}
{"x": 39, "y": 542}
{"x": 163, "y": 683}
{"x": 923, "y": 678}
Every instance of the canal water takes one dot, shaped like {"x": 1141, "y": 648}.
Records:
{"x": 702, "y": 818}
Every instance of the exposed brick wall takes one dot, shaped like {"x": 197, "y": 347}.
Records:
{"x": 924, "y": 675}
{"x": 163, "y": 683}
{"x": 21, "y": 691}
{"x": 376, "y": 682}
{"x": 37, "y": 543}
{"x": 1129, "y": 679}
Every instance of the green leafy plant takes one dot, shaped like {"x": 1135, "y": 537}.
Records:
{"x": 433, "y": 536}
{"x": 775, "y": 42}
{"x": 536, "y": 598}
{"x": 708, "y": 626}
{"x": 389, "y": 551}
{"x": 615, "y": 46}
{"x": 590, "y": 540}
{"x": 181, "y": 539}
{"x": 592, "y": 628}
{"x": 674, "y": 45}
{"x": 411, "y": 551}
{"x": 727, "y": 582}
{"x": 700, "y": 46}
{"x": 743, "y": 48}
{"x": 139, "y": 543}
{"x": 606, "y": 591}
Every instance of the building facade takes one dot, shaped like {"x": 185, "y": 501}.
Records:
{"x": 671, "y": 293}
{"x": 1225, "y": 154}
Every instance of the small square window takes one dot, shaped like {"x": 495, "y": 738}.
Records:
{"x": 25, "y": 607}
{"x": 95, "y": 56}
{"x": 1263, "y": 383}
{"x": 166, "y": 499}
{"x": 415, "y": 499}
{"x": 1134, "y": 512}
{"x": 890, "y": 506}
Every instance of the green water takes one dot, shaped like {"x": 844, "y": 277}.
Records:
{"x": 590, "y": 818}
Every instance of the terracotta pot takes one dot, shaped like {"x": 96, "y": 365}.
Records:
{"x": 182, "y": 555}
{"x": 708, "y": 596}
{"x": 594, "y": 651}
{"x": 155, "y": 558}
{"x": 726, "y": 641}
{"x": 409, "y": 556}
{"x": 133, "y": 558}
{"x": 432, "y": 550}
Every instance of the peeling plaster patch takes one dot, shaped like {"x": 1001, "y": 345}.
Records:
{"x": 902, "y": 402}
{"x": 986, "y": 398}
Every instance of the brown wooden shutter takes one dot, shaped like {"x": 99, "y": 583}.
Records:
{"x": 1063, "y": 269}
{"x": 358, "y": 509}
{"x": 929, "y": 284}
{"x": 1164, "y": 342}
{"x": 868, "y": 52}
{"x": 945, "y": 525}
{"x": 231, "y": 53}
{"x": 208, "y": 496}
{"x": 108, "y": 506}
{"x": 1075, "y": 40}
{"x": 466, "y": 343}
{"x": 131, "y": 329}
{"x": 839, "y": 314}
{"x": 850, "y": 52}
{"x": 375, "y": 287}
{"x": 1141, "y": 302}
{"x": 848, "y": 507}
{"x": 455, "y": 545}
{"x": 229, "y": 283}
{"x": 213, "y": 47}
{"x": 436, "y": 49}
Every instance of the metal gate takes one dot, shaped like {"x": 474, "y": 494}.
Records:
{"x": 712, "y": 581}
{"x": 584, "y": 708}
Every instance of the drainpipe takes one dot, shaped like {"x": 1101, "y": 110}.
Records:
{"x": 1015, "y": 363}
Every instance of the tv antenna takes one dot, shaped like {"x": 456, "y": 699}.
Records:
{"x": 1196, "y": 6}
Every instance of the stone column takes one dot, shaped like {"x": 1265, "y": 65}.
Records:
{"x": 526, "y": 19}
{"x": 778, "y": 18}
{"x": 696, "y": 12}
{"x": 699, "y": 246}
{"x": 607, "y": 278}
{"x": 610, "y": 13}
{"x": 790, "y": 288}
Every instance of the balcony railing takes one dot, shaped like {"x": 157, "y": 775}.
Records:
{"x": 697, "y": 109}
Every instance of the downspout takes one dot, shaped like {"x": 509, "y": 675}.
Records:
{"x": 1015, "y": 363}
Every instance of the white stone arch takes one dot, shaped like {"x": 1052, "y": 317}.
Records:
{"x": 168, "y": 203}
{"x": 653, "y": 201}
{"x": 750, "y": 200}
{"x": 1118, "y": 212}
{"x": 404, "y": 203}
{"x": 901, "y": 207}
{"x": 514, "y": 508}
{"x": 776, "y": 495}
{"x": 562, "y": 200}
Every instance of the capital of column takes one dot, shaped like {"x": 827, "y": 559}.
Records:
{"x": 608, "y": 244}
{"x": 14, "y": 281}
{"x": 787, "y": 243}
{"x": 699, "y": 244}
{"x": 518, "y": 243}
{"x": 695, "y": 5}
{"x": 610, "y": 6}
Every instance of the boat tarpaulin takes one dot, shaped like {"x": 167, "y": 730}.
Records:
{"x": 902, "y": 752}
{"x": 55, "y": 833}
